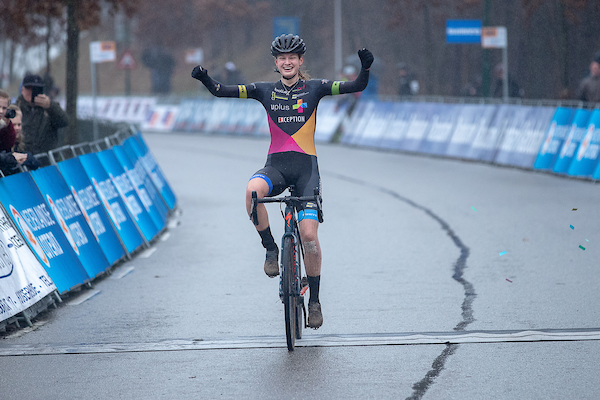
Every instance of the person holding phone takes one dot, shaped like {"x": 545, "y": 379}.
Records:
{"x": 42, "y": 117}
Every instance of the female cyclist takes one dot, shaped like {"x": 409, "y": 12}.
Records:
{"x": 291, "y": 105}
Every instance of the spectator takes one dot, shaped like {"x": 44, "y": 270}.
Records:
{"x": 232, "y": 75}
{"x": 513, "y": 87}
{"x": 10, "y": 160}
{"x": 17, "y": 122}
{"x": 42, "y": 117}
{"x": 7, "y": 130}
{"x": 589, "y": 88}
{"x": 409, "y": 85}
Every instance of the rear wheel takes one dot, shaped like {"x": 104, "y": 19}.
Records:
{"x": 289, "y": 297}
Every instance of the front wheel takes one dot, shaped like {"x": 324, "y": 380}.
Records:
{"x": 288, "y": 278}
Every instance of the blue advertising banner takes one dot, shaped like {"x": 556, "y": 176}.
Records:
{"x": 586, "y": 156}
{"x": 90, "y": 204}
{"x": 399, "y": 121}
{"x": 473, "y": 120}
{"x": 143, "y": 186}
{"x": 443, "y": 123}
{"x": 111, "y": 201}
{"x": 418, "y": 127}
{"x": 377, "y": 125}
{"x": 486, "y": 142}
{"x": 70, "y": 219}
{"x": 362, "y": 112}
{"x": 23, "y": 280}
{"x": 576, "y": 132}
{"x": 330, "y": 114}
{"x": 119, "y": 178}
{"x": 519, "y": 121}
{"x": 530, "y": 138}
{"x": 153, "y": 170}
{"x": 37, "y": 224}
{"x": 555, "y": 137}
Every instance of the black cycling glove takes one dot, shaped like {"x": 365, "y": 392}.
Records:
{"x": 199, "y": 72}
{"x": 366, "y": 58}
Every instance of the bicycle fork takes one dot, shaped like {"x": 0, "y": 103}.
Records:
{"x": 300, "y": 284}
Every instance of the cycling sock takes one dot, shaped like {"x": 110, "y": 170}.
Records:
{"x": 267, "y": 239}
{"x": 313, "y": 283}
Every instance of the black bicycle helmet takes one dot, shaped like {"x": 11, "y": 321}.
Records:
{"x": 287, "y": 44}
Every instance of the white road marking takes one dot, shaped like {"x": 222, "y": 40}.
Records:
{"x": 123, "y": 273}
{"x": 147, "y": 253}
{"x": 554, "y": 335}
{"x": 83, "y": 297}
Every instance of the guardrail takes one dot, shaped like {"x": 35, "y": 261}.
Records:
{"x": 555, "y": 136}
{"x": 91, "y": 207}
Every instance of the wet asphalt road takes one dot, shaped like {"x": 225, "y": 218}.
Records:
{"x": 411, "y": 249}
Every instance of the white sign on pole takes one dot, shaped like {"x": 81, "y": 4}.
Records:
{"x": 103, "y": 52}
{"x": 493, "y": 37}
{"x": 23, "y": 280}
{"x": 194, "y": 56}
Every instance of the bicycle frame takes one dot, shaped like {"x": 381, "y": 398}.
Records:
{"x": 290, "y": 286}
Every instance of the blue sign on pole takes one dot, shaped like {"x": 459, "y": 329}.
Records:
{"x": 71, "y": 220}
{"x": 123, "y": 185}
{"x": 114, "y": 206}
{"x": 285, "y": 25}
{"x": 460, "y": 31}
{"x": 83, "y": 191}
{"x": 41, "y": 230}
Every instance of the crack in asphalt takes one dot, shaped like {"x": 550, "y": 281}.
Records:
{"x": 421, "y": 387}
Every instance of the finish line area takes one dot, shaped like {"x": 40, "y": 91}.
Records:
{"x": 382, "y": 339}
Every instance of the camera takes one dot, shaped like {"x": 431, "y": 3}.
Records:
{"x": 35, "y": 90}
{"x": 10, "y": 113}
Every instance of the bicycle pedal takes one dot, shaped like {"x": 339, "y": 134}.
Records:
{"x": 304, "y": 289}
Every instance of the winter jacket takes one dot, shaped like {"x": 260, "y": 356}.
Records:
{"x": 40, "y": 126}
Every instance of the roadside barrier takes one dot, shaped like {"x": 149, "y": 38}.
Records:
{"x": 558, "y": 137}
{"x": 71, "y": 221}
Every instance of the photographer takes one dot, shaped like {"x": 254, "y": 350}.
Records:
{"x": 7, "y": 131}
{"x": 11, "y": 161}
{"x": 42, "y": 117}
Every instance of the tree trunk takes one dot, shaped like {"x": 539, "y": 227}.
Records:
{"x": 72, "y": 136}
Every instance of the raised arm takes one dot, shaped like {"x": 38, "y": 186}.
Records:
{"x": 361, "y": 81}
{"x": 216, "y": 88}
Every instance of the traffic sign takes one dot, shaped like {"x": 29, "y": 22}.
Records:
{"x": 127, "y": 61}
{"x": 102, "y": 52}
{"x": 493, "y": 37}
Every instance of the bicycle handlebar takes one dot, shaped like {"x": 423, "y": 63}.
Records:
{"x": 291, "y": 200}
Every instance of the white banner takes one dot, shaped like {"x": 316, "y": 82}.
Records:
{"x": 23, "y": 280}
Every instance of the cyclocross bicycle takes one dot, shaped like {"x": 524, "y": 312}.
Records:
{"x": 291, "y": 284}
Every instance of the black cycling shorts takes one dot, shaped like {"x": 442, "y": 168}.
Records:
{"x": 291, "y": 168}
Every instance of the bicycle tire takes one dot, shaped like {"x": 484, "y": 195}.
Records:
{"x": 289, "y": 298}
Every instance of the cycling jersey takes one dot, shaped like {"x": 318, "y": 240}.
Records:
{"x": 292, "y": 117}
{"x": 292, "y": 112}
